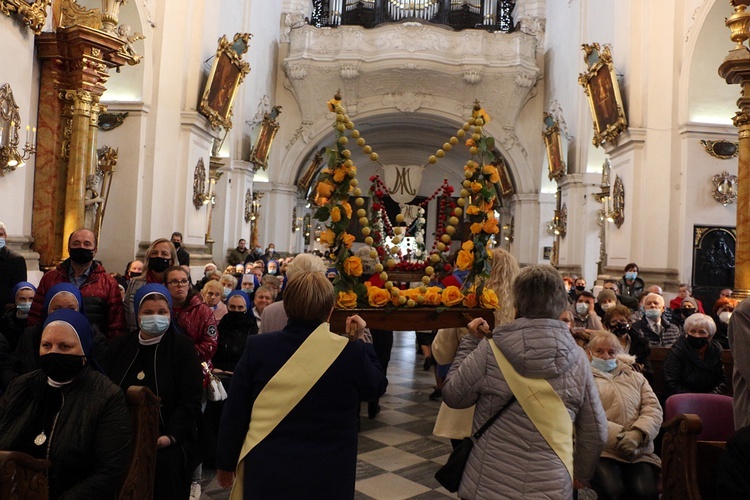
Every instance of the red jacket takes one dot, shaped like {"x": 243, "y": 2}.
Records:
{"x": 196, "y": 320}
{"x": 101, "y": 298}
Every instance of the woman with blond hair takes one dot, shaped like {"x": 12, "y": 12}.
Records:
{"x": 456, "y": 424}
{"x": 160, "y": 256}
{"x": 212, "y": 293}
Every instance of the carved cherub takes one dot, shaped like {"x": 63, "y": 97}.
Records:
{"x": 123, "y": 31}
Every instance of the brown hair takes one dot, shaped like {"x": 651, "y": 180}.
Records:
{"x": 308, "y": 298}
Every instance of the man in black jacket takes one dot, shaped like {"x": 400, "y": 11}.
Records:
{"x": 182, "y": 255}
{"x": 12, "y": 270}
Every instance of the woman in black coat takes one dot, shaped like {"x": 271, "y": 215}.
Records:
{"x": 166, "y": 362}
{"x": 69, "y": 413}
{"x": 313, "y": 448}
{"x": 234, "y": 328}
{"x": 693, "y": 363}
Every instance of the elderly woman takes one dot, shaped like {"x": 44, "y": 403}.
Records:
{"x": 234, "y": 328}
{"x": 264, "y": 297}
{"x": 693, "y": 363}
{"x": 228, "y": 283}
{"x": 628, "y": 467}
{"x": 69, "y": 413}
{"x": 316, "y": 381}
{"x": 631, "y": 341}
{"x": 160, "y": 255}
{"x": 212, "y": 294}
{"x": 723, "y": 310}
{"x": 166, "y": 362}
{"x": 513, "y": 459}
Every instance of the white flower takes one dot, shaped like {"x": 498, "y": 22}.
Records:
{"x": 422, "y": 220}
{"x": 419, "y": 239}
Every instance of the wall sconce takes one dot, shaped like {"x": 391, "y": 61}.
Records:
{"x": 10, "y": 119}
{"x": 307, "y": 226}
{"x": 508, "y": 230}
{"x": 612, "y": 198}
{"x": 558, "y": 226}
{"x": 252, "y": 215}
{"x": 725, "y": 188}
{"x": 296, "y": 221}
{"x": 318, "y": 231}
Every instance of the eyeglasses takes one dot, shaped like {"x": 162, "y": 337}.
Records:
{"x": 178, "y": 283}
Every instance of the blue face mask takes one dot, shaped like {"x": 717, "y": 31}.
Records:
{"x": 604, "y": 365}
{"x": 631, "y": 276}
{"x": 652, "y": 314}
{"x": 24, "y": 307}
{"x": 2, "y": 243}
{"x": 155, "y": 324}
{"x": 226, "y": 292}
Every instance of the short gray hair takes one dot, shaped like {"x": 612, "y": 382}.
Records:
{"x": 700, "y": 320}
{"x": 602, "y": 337}
{"x": 2, "y": 226}
{"x": 305, "y": 262}
{"x": 539, "y": 292}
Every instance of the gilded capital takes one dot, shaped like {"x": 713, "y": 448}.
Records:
{"x": 741, "y": 120}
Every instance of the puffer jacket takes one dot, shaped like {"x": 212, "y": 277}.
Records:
{"x": 101, "y": 298}
{"x": 629, "y": 403}
{"x": 685, "y": 371}
{"x": 512, "y": 459}
{"x": 90, "y": 444}
{"x": 196, "y": 320}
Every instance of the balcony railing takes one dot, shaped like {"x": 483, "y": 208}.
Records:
{"x": 490, "y": 15}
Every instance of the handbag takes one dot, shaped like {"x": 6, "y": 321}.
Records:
{"x": 215, "y": 389}
{"x": 449, "y": 475}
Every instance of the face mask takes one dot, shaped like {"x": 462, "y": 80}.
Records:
{"x": 582, "y": 308}
{"x": 724, "y": 317}
{"x": 176, "y": 245}
{"x": 272, "y": 271}
{"x": 686, "y": 311}
{"x": 61, "y": 367}
{"x": 2, "y": 242}
{"x": 226, "y": 292}
{"x": 696, "y": 342}
{"x": 621, "y": 329}
{"x": 604, "y": 365}
{"x": 81, "y": 255}
{"x": 235, "y": 316}
{"x": 158, "y": 264}
{"x": 24, "y": 307}
{"x": 631, "y": 276}
{"x": 608, "y": 306}
{"x": 652, "y": 314}
{"x": 135, "y": 274}
{"x": 155, "y": 324}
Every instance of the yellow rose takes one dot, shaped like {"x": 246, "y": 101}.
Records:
{"x": 490, "y": 226}
{"x": 346, "y": 300}
{"x": 491, "y": 173}
{"x": 467, "y": 245}
{"x": 473, "y": 210}
{"x": 470, "y": 299}
{"x": 470, "y": 143}
{"x": 452, "y": 296}
{"x": 476, "y": 228}
{"x": 335, "y": 214}
{"x": 410, "y": 293}
{"x": 465, "y": 260}
{"x": 347, "y": 209}
{"x": 433, "y": 296}
{"x": 348, "y": 239}
{"x": 378, "y": 297}
{"x": 476, "y": 187}
{"x": 325, "y": 189}
{"x": 327, "y": 237}
{"x": 340, "y": 173}
{"x": 488, "y": 300}
{"x": 353, "y": 266}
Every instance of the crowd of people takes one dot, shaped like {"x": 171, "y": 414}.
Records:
{"x": 71, "y": 346}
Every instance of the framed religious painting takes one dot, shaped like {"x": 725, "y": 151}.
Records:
{"x": 262, "y": 148}
{"x": 553, "y": 147}
{"x": 504, "y": 186}
{"x": 227, "y": 73}
{"x": 603, "y": 91}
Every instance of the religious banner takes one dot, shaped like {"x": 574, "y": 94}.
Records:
{"x": 403, "y": 181}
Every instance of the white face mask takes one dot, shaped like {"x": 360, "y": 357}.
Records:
{"x": 582, "y": 308}
{"x": 725, "y": 316}
{"x": 608, "y": 306}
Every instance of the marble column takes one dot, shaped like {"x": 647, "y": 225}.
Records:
{"x": 75, "y": 65}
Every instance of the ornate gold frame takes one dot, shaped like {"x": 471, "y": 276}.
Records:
{"x": 553, "y": 146}
{"x": 33, "y": 12}
{"x": 505, "y": 184}
{"x": 725, "y": 188}
{"x": 603, "y": 90}
{"x": 227, "y": 73}
{"x": 618, "y": 202}
{"x": 711, "y": 148}
{"x": 200, "y": 193}
{"x": 268, "y": 128}
{"x": 10, "y": 123}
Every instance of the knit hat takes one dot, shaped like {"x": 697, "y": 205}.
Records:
{"x": 62, "y": 288}
{"x": 148, "y": 289}
{"x": 606, "y": 295}
{"x": 691, "y": 300}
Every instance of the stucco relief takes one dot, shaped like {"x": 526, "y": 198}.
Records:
{"x": 408, "y": 102}
{"x": 412, "y": 39}
{"x": 349, "y": 71}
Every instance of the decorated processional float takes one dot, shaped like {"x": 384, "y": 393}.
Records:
{"x": 391, "y": 307}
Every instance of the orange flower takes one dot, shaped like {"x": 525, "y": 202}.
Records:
{"x": 332, "y": 105}
{"x": 467, "y": 245}
{"x": 347, "y": 209}
{"x": 470, "y": 143}
{"x": 342, "y": 172}
{"x": 473, "y": 210}
{"x": 335, "y": 214}
{"x": 481, "y": 113}
{"x": 465, "y": 260}
{"x": 346, "y": 300}
{"x": 470, "y": 299}
{"x": 488, "y": 300}
{"x": 491, "y": 172}
{"x": 348, "y": 239}
{"x": 378, "y": 297}
{"x": 327, "y": 237}
{"x": 452, "y": 296}
{"x": 353, "y": 266}
{"x": 476, "y": 187}
{"x": 395, "y": 294}
{"x": 325, "y": 189}
{"x": 490, "y": 226}
{"x": 433, "y": 296}
{"x": 476, "y": 228}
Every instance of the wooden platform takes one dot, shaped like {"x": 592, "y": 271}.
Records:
{"x": 414, "y": 318}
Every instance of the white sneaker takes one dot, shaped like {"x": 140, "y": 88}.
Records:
{"x": 195, "y": 491}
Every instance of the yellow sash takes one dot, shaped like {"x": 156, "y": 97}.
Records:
{"x": 544, "y": 408}
{"x": 286, "y": 389}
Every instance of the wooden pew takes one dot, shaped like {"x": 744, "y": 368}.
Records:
{"x": 143, "y": 406}
{"x": 22, "y": 476}
{"x": 659, "y": 355}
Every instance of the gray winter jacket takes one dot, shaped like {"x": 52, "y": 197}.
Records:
{"x": 512, "y": 460}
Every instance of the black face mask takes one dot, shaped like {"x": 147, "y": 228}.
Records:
{"x": 696, "y": 342}
{"x": 687, "y": 311}
{"x": 158, "y": 264}
{"x": 580, "y": 288}
{"x": 61, "y": 367}
{"x": 176, "y": 245}
{"x": 81, "y": 255}
{"x": 135, "y": 274}
{"x": 620, "y": 329}
{"x": 234, "y": 317}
